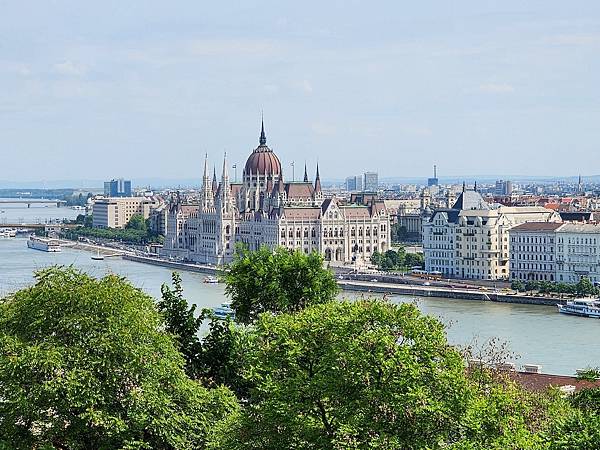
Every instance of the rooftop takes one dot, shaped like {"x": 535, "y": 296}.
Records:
{"x": 537, "y": 226}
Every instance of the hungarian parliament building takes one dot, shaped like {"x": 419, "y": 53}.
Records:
{"x": 265, "y": 210}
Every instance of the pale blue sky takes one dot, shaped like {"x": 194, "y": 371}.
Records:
{"x": 478, "y": 87}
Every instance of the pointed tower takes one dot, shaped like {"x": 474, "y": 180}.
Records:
{"x": 317, "y": 180}
{"x": 475, "y": 187}
{"x": 262, "y": 140}
{"x": 207, "y": 196}
{"x": 215, "y": 185}
{"x": 305, "y": 174}
{"x": 318, "y": 192}
{"x": 225, "y": 191}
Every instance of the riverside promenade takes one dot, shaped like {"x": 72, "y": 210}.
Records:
{"x": 475, "y": 293}
{"x": 445, "y": 292}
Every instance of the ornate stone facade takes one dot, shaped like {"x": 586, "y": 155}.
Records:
{"x": 263, "y": 210}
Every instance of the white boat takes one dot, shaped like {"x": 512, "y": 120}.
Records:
{"x": 98, "y": 256}
{"x": 224, "y": 311}
{"x": 211, "y": 280}
{"x": 8, "y": 232}
{"x": 44, "y": 244}
{"x": 581, "y": 307}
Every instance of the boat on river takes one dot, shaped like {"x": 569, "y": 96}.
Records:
{"x": 224, "y": 311}
{"x": 211, "y": 280}
{"x": 8, "y": 232}
{"x": 582, "y": 308}
{"x": 44, "y": 244}
{"x": 98, "y": 256}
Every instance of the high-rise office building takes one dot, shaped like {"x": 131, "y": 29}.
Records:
{"x": 433, "y": 181}
{"x": 117, "y": 188}
{"x": 354, "y": 183}
{"x": 371, "y": 183}
{"x": 503, "y": 187}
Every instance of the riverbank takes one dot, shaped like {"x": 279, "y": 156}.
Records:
{"x": 431, "y": 291}
{"x": 378, "y": 287}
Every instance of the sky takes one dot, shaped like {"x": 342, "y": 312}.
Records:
{"x": 143, "y": 89}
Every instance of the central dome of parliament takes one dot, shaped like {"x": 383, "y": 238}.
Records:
{"x": 262, "y": 160}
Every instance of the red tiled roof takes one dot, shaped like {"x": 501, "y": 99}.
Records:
{"x": 542, "y": 381}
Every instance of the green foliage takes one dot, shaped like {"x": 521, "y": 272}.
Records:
{"x": 84, "y": 364}
{"x": 137, "y": 222}
{"x": 583, "y": 288}
{"x": 276, "y": 281}
{"x": 180, "y": 321}
{"x": 215, "y": 358}
{"x": 364, "y": 374}
{"x": 397, "y": 260}
{"x": 126, "y": 235}
{"x": 517, "y": 285}
{"x": 589, "y": 373}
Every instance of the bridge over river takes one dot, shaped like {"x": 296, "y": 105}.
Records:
{"x": 32, "y": 201}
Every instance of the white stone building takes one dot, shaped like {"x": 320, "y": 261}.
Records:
{"x": 470, "y": 240}
{"x": 533, "y": 251}
{"x": 578, "y": 252}
{"x": 263, "y": 210}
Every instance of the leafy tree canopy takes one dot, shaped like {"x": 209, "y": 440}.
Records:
{"x": 85, "y": 364}
{"x": 364, "y": 374}
{"x": 276, "y": 281}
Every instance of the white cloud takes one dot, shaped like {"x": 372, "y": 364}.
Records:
{"x": 70, "y": 68}
{"x": 496, "y": 88}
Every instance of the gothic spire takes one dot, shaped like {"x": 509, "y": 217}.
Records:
{"x": 215, "y": 185}
{"x": 475, "y": 187}
{"x": 225, "y": 173}
{"x": 463, "y": 187}
{"x": 305, "y": 174}
{"x": 263, "y": 139}
{"x": 205, "y": 166}
{"x": 317, "y": 180}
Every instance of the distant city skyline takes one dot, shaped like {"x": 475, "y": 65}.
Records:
{"x": 110, "y": 88}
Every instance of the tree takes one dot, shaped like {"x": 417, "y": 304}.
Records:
{"x": 531, "y": 285}
{"x": 584, "y": 287}
{"x": 137, "y": 222}
{"x": 180, "y": 322}
{"x": 88, "y": 221}
{"x": 376, "y": 258}
{"x": 414, "y": 259}
{"x": 85, "y": 364}
{"x": 276, "y": 281}
{"x": 215, "y": 359}
{"x": 517, "y": 285}
{"x": 364, "y": 374}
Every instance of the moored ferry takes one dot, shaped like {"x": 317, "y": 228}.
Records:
{"x": 44, "y": 244}
{"x": 581, "y": 307}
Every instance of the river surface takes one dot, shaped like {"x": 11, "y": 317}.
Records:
{"x": 20, "y": 213}
{"x": 561, "y": 344}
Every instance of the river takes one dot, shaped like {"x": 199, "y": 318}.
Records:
{"x": 561, "y": 344}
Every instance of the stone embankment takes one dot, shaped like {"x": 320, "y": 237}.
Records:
{"x": 395, "y": 287}
{"x": 199, "y": 268}
{"x": 444, "y": 292}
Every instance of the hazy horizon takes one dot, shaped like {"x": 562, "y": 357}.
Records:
{"x": 112, "y": 89}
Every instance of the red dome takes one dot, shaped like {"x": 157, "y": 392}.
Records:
{"x": 263, "y": 161}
